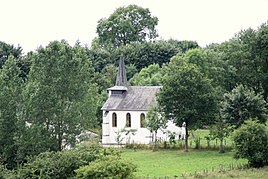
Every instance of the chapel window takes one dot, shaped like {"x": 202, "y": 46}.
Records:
{"x": 128, "y": 120}
{"x": 142, "y": 120}
{"x": 114, "y": 120}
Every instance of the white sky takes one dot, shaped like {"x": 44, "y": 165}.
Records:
{"x": 31, "y": 23}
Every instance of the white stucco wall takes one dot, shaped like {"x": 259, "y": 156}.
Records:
{"x": 142, "y": 135}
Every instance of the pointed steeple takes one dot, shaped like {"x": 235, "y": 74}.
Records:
{"x": 121, "y": 78}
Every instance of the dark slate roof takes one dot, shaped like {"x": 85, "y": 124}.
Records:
{"x": 121, "y": 78}
{"x": 134, "y": 99}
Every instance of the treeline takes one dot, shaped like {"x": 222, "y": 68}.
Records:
{"x": 50, "y": 96}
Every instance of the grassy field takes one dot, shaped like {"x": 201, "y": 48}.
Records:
{"x": 177, "y": 162}
{"x": 251, "y": 173}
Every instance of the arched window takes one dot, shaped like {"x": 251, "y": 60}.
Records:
{"x": 114, "y": 120}
{"x": 128, "y": 120}
{"x": 142, "y": 120}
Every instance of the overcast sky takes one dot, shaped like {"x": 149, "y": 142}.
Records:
{"x": 31, "y": 23}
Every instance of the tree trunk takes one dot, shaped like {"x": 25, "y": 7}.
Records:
{"x": 186, "y": 139}
{"x": 155, "y": 140}
{"x": 60, "y": 134}
{"x": 221, "y": 146}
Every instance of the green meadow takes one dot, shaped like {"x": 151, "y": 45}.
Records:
{"x": 170, "y": 163}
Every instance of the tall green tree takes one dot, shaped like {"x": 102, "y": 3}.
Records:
{"x": 7, "y": 50}
{"x": 148, "y": 76}
{"x": 10, "y": 90}
{"x": 22, "y": 62}
{"x": 187, "y": 96}
{"x": 147, "y": 53}
{"x": 262, "y": 53}
{"x": 126, "y": 25}
{"x": 210, "y": 64}
{"x": 60, "y": 99}
{"x": 242, "y": 56}
{"x": 241, "y": 104}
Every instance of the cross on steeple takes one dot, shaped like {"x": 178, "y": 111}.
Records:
{"x": 121, "y": 78}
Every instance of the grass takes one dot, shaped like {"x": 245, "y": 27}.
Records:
{"x": 177, "y": 162}
{"x": 251, "y": 173}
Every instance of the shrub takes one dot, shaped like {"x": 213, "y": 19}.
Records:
{"x": 62, "y": 164}
{"x": 5, "y": 173}
{"x": 107, "y": 167}
{"x": 251, "y": 142}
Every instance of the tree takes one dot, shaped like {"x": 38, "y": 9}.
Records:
{"x": 183, "y": 45}
{"x": 147, "y": 53}
{"x": 60, "y": 99}
{"x": 187, "y": 96}
{"x": 23, "y": 63}
{"x": 148, "y": 76}
{"x": 241, "y": 104}
{"x": 126, "y": 25}
{"x": 10, "y": 101}
{"x": 138, "y": 54}
{"x": 7, "y": 50}
{"x": 251, "y": 142}
{"x": 262, "y": 53}
{"x": 155, "y": 120}
{"x": 220, "y": 130}
{"x": 241, "y": 54}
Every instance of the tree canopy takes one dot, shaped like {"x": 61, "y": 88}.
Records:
{"x": 241, "y": 104}
{"x": 126, "y": 25}
{"x": 187, "y": 95}
{"x": 60, "y": 98}
{"x": 10, "y": 98}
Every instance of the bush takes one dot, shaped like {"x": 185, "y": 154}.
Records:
{"x": 63, "y": 164}
{"x": 5, "y": 173}
{"x": 107, "y": 167}
{"x": 251, "y": 142}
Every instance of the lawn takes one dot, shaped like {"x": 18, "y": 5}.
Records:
{"x": 177, "y": 162}
{"x": 251, "y": 173}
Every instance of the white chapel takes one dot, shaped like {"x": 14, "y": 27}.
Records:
{"x": 124, "y": 113}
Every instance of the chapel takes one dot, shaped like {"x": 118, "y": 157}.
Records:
{"x": 124, "y": 112}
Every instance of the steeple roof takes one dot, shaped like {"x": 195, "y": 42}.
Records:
{"x": 121, "y": 78}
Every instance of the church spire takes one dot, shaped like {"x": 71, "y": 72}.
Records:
{"x": 121, "y": 78}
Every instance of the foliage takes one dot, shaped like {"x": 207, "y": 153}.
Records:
{"x": 10, "y": 101}
{"x": 220, "y": 130}
{"x": 7, "y": 50}
{"x": 187, "y": 96}
{"x": 241, "y": 104}
{"x": 251, "y": 142}
{"x": 148, "y": 76}
{"x": 107, "y": 167}
{"x": 126, "y": 25}
{"x": 245, "y": 55}
{"x": 183, "y": 45}
{"x": 144, "y": 54}
{"x": 23, "y": 62}
{"x": 211, "y": 65}
{"x": 138, "y": 54}
{"x": 261, "y": 50}
{"x": 100, "y": 58}
{"x": 5, "y": 173}
{"x": 63, "y": 164}
{"x": 155, "y": 120}
{"x": 59, "y": 98}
